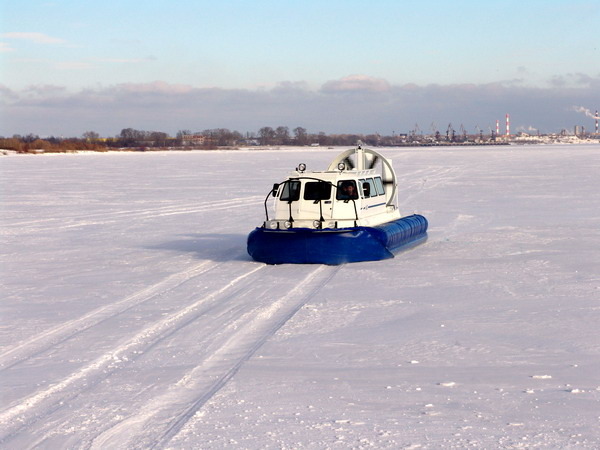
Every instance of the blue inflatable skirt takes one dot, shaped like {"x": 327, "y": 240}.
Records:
{"x": 336, "y": 246}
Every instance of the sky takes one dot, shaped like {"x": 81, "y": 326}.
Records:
{"x": 353, "y": 66}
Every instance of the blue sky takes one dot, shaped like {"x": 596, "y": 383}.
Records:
{"x": 199, "y": 60}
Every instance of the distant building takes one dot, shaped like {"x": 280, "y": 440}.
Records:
{"x": 193, "y": 139}
{"x": 249, "y": 141}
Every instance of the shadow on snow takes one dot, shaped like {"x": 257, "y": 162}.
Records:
{"x": 212, "y": 246}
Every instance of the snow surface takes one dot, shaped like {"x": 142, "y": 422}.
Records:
{"x": 132, "y": 317}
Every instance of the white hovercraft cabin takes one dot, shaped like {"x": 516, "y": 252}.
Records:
{"x": 357, "y": 189}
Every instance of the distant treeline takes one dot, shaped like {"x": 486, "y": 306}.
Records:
{"x": 132, "y": 139}
{"x": 33, "y": 144}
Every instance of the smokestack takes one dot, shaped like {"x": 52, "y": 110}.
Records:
{"x": 497, "y": 128}
{"x": 597, "y": 118}
{"x": 507, "y": 125}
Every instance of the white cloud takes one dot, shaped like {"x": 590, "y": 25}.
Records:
{"x": 45, "y": 90}
{"x": 74, "y": 65}
{"x": 7, "y": 94}
{"x": 360, "y": 83}
{"x": 37, "y": 38}
{"x": 127, "y": 60}
{"x": 156, "y": 87}
{"x": 5, "y": 48}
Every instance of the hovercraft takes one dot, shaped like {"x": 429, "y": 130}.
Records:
{"x": 347, "y": 213}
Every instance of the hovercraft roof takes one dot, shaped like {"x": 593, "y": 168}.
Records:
{"x": 357, "y": 162}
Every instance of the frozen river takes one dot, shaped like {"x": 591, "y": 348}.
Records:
{"x": 132, "y": 317}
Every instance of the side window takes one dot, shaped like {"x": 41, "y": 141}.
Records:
{"x": 379, "y": 186}
{"x": 291, "y": 191}
{"x": 361, "y": 182}
{"x": 275, "y": 189}
{"x": 315, "y": 190}
{"x": 372, "y": 191}
{"x": 346, "y": 190}
{"x": 367, "y": 188}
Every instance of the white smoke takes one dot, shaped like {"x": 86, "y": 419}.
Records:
{"x": 528, "y": 129}
{"x": 581, "y": 109}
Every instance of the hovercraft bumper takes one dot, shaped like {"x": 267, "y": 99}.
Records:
{"x": 336, "y": 246}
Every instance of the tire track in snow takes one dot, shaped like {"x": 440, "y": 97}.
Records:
{"x": 163, "y": 417}
{"x": 45, "y": 401}
{"x": 114, "y": 216}
{"x": 414, "y": 183}
{"x": 160, "y": 209}
{"x": 56, "y": 335}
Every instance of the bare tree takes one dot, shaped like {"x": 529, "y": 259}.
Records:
{"x": 266, "y": 135}
{"x": 159, "y": 138}
{"x": 90, "y": 136}
{"x": 282, "y": 135}
{"x": 300, "y": 136}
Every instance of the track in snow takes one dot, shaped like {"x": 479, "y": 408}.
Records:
{"x": 45, "y": 340}
{"x": 227, "y": 326}
{"x": 103, "y": 218}
{"x": 163, "y": 417}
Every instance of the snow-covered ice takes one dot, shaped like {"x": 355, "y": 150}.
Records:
{"x": 132, "y": 317}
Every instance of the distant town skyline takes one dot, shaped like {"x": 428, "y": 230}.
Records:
{"x": 352, "y": 66}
